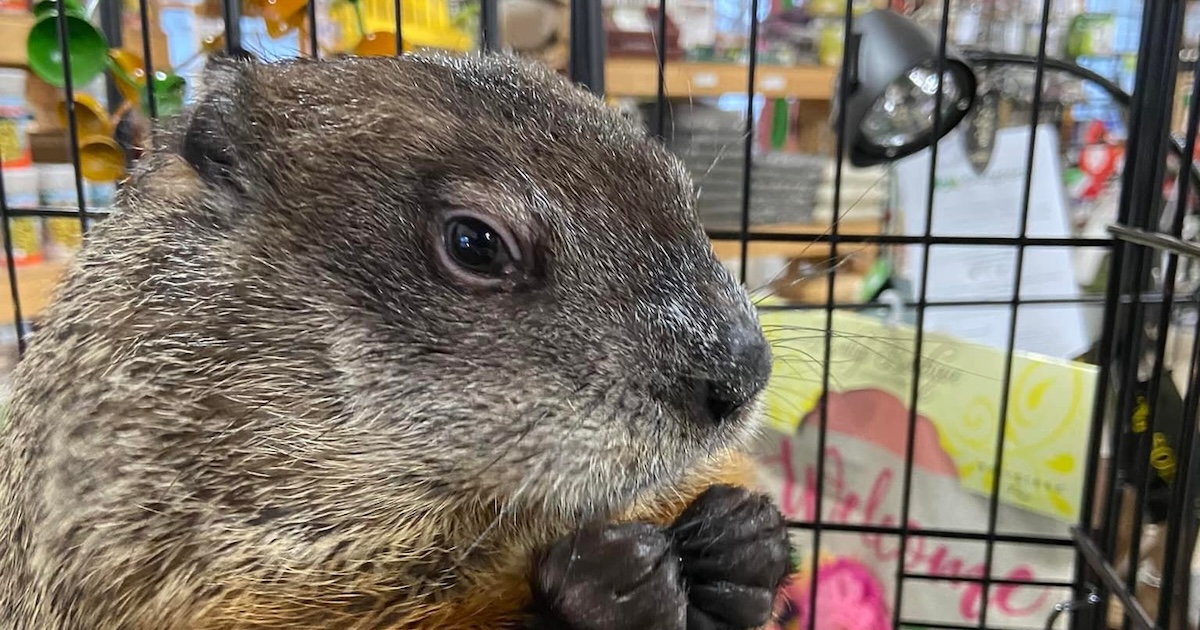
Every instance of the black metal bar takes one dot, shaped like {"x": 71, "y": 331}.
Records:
{"x": 586, "y": 62}
{"x": 827, "y": 350}
{"x": 874, "y": 306}
{"x": 1164, "y": 242}
{"x": 1094, "y": 558}
{"x": 147, "y": 63}
{"x": 903, "y": 239}
{"x": 1094, "y": 301}
{"x": 930, "y": 625}
{"x": 72, "y": 123}
{"x": 989, "y": 550}
{"x": 912, "y": 304}
{"x": 1142, "y": 462}
{"x": 231, "y": 11}
{"x": 489, "y": 25}
{"x": 1148, "y": 164}
{"x": 660, "y": 45}
{"x": 93, "y": 213}
{"x": 926, "y": 577}
{"x": 1181, "y": 503}
{"x": 748, "y": 144}
{"x": 313, "y": 41}
{"x": 914, "y": 396}
{"x": 110, "y": 25}
{"x": 1121, "y": 349}
{"x": 1128, "y": 353}
{"x": 13, "y": 287}
{"x": 1175, "y": 508}
{"x": 399, "y": 27}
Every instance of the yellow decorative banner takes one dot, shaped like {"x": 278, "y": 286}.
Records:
{"x": 1049, "y": 409}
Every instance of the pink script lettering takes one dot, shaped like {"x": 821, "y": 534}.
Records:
{"x": 922, "y": 555}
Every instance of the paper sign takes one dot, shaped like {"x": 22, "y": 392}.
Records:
{"x": 989, "y": 204}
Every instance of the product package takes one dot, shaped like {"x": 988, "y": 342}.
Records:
{"x": 57, "y": 189}
{"x": 866, "y": 420}
{"x": 15, "y": 118}
{"x": 21, "y": 192}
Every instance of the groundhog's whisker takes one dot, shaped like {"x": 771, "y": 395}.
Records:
{"x": 738, "y": 141}
{"x": 904, "y": 344}
{"x": 775, "y": 277}
{"x": 546, "y": 464}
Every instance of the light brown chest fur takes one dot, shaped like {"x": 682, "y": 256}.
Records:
{"x": 493, "y": 599}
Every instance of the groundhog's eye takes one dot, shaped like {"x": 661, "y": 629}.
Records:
{"x": 477, "y": 247}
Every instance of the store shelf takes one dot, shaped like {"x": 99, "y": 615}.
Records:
{"x": 35, "y": 284}
{"x": 636, "y": 77}
{"x": 14, "y": 31}
{"x": 731, "y": 249}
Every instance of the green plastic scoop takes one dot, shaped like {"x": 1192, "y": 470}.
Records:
{"x": 85, "y": 43}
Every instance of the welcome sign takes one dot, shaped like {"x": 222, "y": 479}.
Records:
{"x": 857, "y": 574}
{"x": 866, "y": 421}
{"x": 1049, "y": 401}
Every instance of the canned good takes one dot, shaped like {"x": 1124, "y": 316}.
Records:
{"x": 15, "y": 120}
{"x": 20, "y": 191}
{"x": 56, "y": 189}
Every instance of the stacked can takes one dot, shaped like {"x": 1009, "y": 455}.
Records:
{"x": 21, "y": 192}
{"x": 56, "y": 183}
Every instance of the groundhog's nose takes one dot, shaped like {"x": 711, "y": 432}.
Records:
{"x": 737, "y": 375}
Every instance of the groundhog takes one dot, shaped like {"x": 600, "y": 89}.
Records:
{"x": 419, "y": 342}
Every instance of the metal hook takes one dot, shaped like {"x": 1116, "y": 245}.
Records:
{"x": 1071, "y": 605}
{"x": 895, "y": 305}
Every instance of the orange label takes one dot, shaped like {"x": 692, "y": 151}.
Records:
{"x": 14, "y": 147}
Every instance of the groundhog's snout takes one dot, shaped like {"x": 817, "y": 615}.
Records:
{"x": 737, "y": 373}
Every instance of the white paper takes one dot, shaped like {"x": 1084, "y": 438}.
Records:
{"x": 990, "y": 204}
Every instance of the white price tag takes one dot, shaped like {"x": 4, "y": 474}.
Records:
{"x": 772, "y": 82}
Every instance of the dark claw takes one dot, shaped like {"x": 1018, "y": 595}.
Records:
{"x": 610, "y": 577}
{"x": 735, "y": 555}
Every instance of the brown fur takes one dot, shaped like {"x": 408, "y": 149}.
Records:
{"x": 258, "y": 401}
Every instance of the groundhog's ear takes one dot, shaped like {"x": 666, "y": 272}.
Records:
{"x": 213, "y": 139}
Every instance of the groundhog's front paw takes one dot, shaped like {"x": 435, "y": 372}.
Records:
{"x": 735, "y": 555}
{"x": 618, "y": 577}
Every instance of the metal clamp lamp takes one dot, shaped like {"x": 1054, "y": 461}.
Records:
{"x": 892, "y": 87}
{"x": 892, "y": 81}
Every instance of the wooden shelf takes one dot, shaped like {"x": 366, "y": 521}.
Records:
{"x": 636, "y": 77}
{"x": 731, "y": 249}
{"x": 35, "y": 284}
{"x": 14, "y": 30}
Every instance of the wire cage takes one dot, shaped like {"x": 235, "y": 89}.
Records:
{"x": 1058, "y": 489}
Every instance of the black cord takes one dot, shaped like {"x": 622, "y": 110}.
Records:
{"x": 981, "y": 57}
{"x": 988, "y": 57}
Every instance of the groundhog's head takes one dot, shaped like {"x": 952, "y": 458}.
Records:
{"x": 505, "y": 278}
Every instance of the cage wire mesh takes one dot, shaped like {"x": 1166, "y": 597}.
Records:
{"x": 1042, "y": 429}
